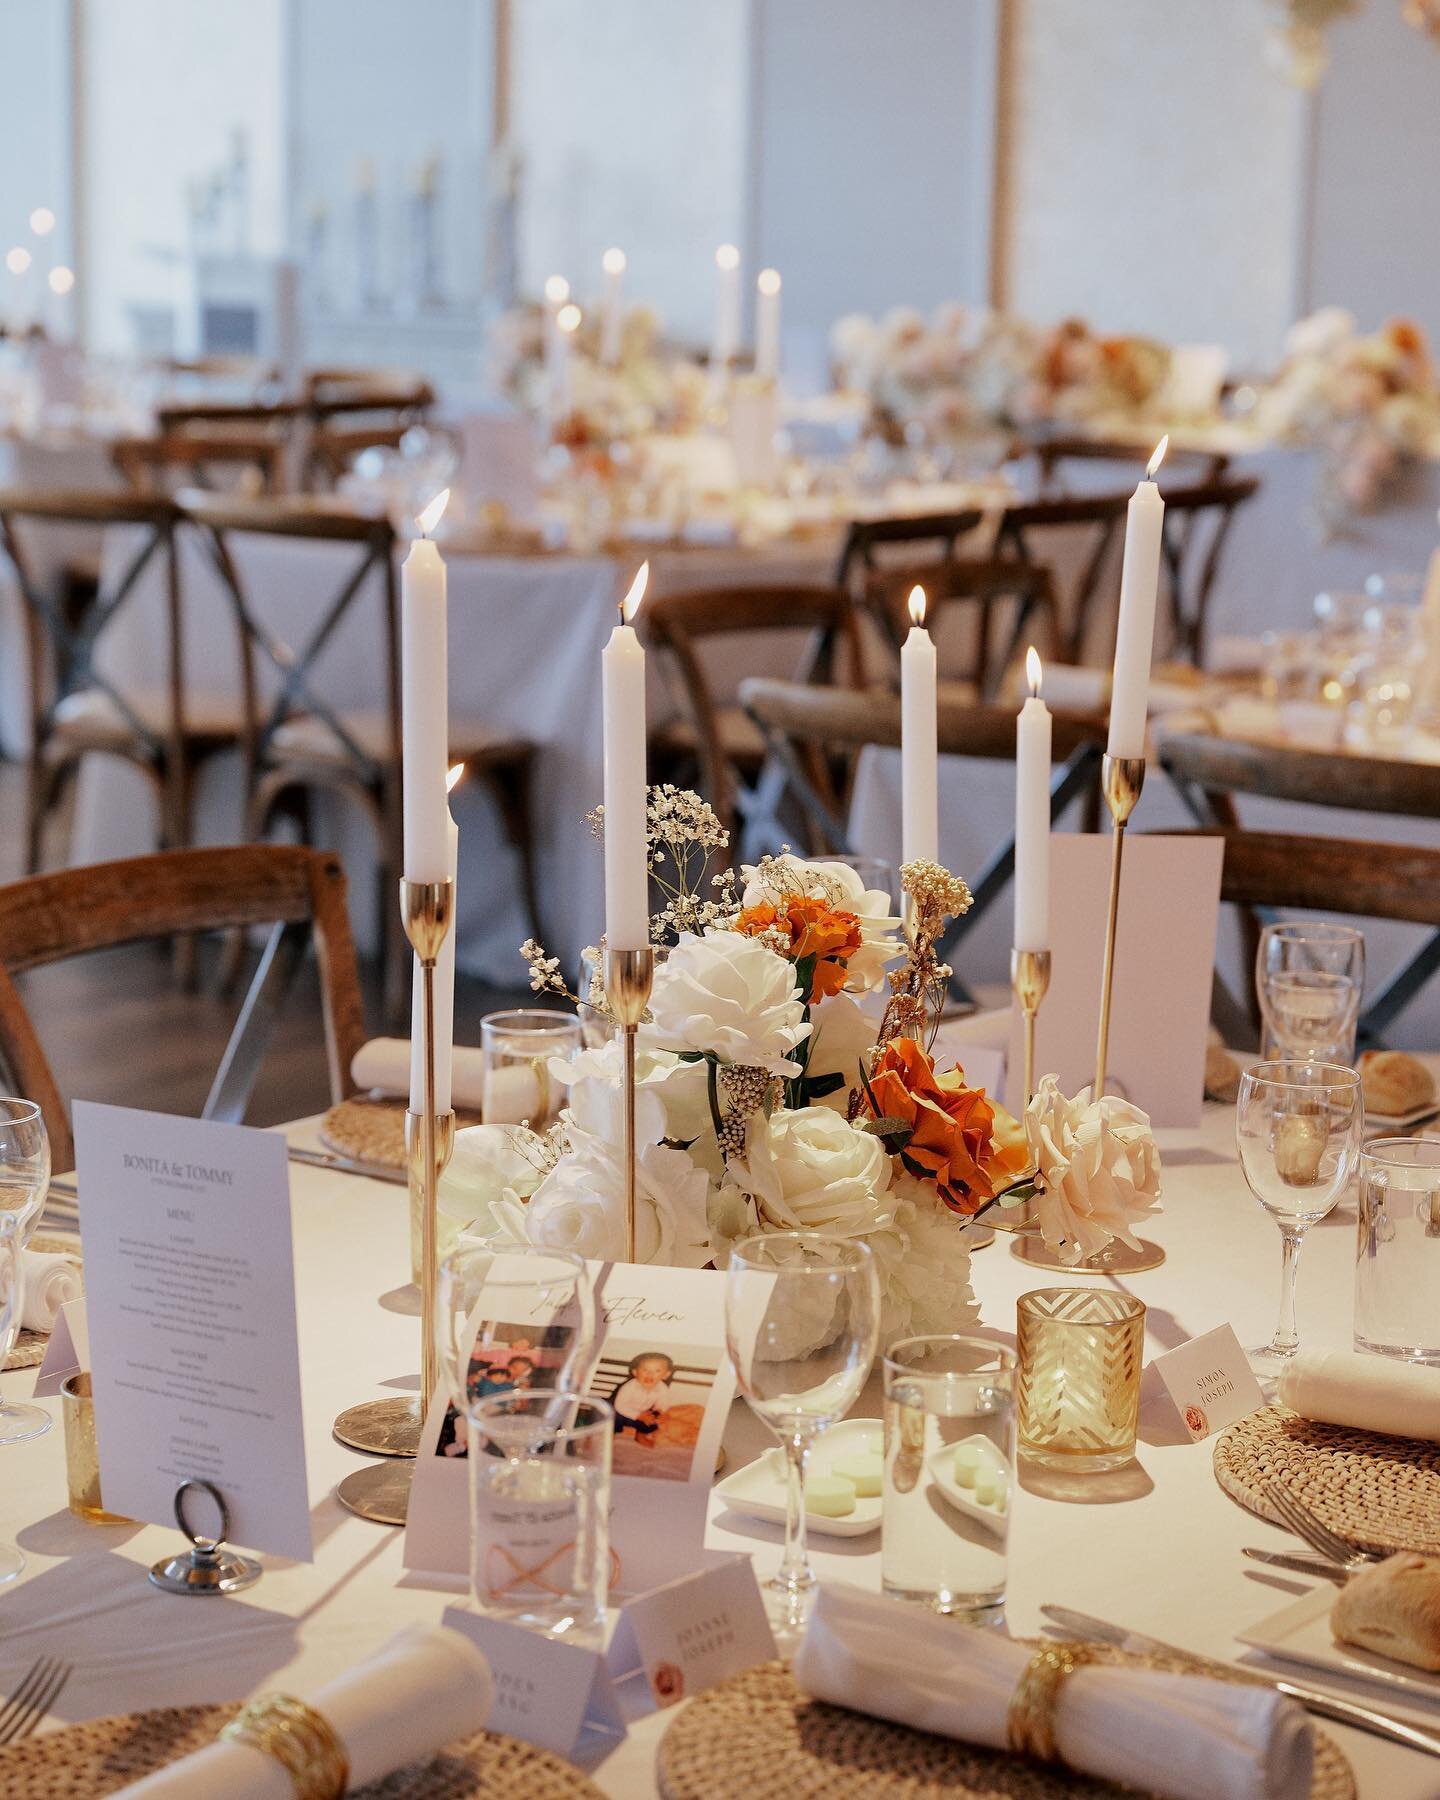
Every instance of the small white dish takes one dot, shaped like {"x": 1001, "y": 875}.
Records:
{"x": 1377, "y": 1123}
{"x": 1300, "y": 1633}
{"x": 759, "y": 1488}
{"x": 941, "y": 1465}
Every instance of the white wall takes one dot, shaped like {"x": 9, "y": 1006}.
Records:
{"x": 630, "y": 120}
{"x": 166, "y": 82}
{"x": 34, "y": 129}
{"x": 1154, "y": 172}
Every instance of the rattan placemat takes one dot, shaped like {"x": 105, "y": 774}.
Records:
{"x": 102, "y": 1756}
{"x": 756, "y": 1737}
{"x": 372, "y": 1128}
{"x": 1383, "y": 1492}
{"x": 28, "y": 1350}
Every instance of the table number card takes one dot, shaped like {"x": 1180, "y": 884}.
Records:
{"x": 68, "y": 1351}
{"x": 548, "y": 1692}
{"x": 1210, "y": 1382}
{"x": 190, "y": 1297}
{"x": 691, "y": 1633}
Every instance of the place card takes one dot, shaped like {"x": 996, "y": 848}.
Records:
{"x": 1164, "y": 969}
{"x": 548, "y": 1692}
{"x": 1210, "y": 1381}
{"x": 190, "y": 1296}
{"x": 68, "y": 1351}
{"x": 691, "y": 1633}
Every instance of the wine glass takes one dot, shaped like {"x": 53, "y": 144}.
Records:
{"x": 1309, "y": 978}
{"x": 1297, "y": 1128}
{"x": 24, "y": 1182}
{"x": 510, "y": 1317}
{"x": 12, "y": 1560}
{"x": 802, "y": 1317}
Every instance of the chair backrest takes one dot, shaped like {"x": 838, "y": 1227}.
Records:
{"x": 332, "y": 392}
{"x": 1332, "y": 875}
{"x": 924, "y": 540}
{"x": 1219, "y": 768}
{"x": 251, "y": 457}
{"x": 984, "y": 589}
{"x": 61, "y": 649}
{"x": 299, "y": 893}
{"x": 680, "y": 623}
{"x": 293, "y": 659}
{"x": 1052, "y": 454}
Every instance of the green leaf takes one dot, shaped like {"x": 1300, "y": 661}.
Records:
{"x": 816, "y": 1086}
{"x": 1017, "y": 1196}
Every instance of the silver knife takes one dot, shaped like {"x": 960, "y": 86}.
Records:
{"x": 1327, "y": 1706}
{"x": 1300, "y": 1565}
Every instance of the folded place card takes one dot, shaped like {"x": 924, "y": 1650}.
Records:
{"x": 190, "y": 1296}
{"x": 1210, "y": 1381}
{"x": 67, "y": 1352}
{"x": 684, "y": 1637}
{"x": 1164, "y": 963}
{"x": 548, "y": 1692}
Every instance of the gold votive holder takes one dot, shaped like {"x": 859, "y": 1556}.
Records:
{"x": 82, "y": 1458}
{"x": 1078, "y": 1393}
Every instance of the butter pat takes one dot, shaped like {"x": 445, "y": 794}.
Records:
{"x": 967, "y": 1465}
{"x": 989, "y": 1489}
{"x": 865, "y": 1470}
{"x": 829, "y": 1495}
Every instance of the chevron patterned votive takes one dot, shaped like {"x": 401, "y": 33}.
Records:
{"x": 1078, "y": 1395}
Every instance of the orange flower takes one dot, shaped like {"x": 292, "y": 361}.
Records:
{"x": 962, "y": 1141}
{"x": 812, "y": 929}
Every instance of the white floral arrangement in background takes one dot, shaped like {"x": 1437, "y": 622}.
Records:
{"x": 786, "y": 1082}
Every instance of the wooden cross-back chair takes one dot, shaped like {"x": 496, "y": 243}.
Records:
{"x": 901, "y": 545}
{"x": 718, "y": 741}
{"x": 350, "y": 410}
{"x": 1054, "y": 455}
{"x": 809, "y": 730}
{"x": 1210, "y": 772}
{"x": 985, "y": 590}
{"x": 299, "y": 894}
{"x": 302, "y": 742}
{"x": 250, "y": 458}
{"x": 77, "y": 709}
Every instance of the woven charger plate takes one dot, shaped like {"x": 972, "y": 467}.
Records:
{"x": 1384, "y": 1492}
{"x": 756, "y": 1737}
{"x": 28, "y": 1350}
{"x": 372, "y": 1128}
{"x": 102, "y": 1756}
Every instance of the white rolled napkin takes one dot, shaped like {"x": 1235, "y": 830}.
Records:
{"x": 1182, "y": 1736}
{"x": 1367, "y": 1393}
{"x": 47, "y": 1283}
{"x": 428, "y": 1687}
{"x": 384, "y": 1063}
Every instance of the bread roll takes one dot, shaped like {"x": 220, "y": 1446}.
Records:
{"x": 1394, "y": 1610}
{"x": 1393, "y": 1082}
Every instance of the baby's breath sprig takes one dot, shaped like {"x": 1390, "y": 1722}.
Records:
{"x": 917, "y": 987}
{"x": 681, "y": 833}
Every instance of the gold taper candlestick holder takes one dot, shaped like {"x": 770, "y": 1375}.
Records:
{"x": 629, "y": 977}
{"x": 1029, "y": 982}
{"x": 391, "y": 1428}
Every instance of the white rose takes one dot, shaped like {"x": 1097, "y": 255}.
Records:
{"x": 730, "y": 996}
{"x": 810, "y": 1170}
{"x": 580, "y": 1205}
{"x": 1099, "y": 1168}
{"x": 923, "y": 1263}
{"x": 840, "y": 887}
{"x": 489, "y": 1164}
{"x": 843, "y": 1036}
{"x": 670, "y": 1096}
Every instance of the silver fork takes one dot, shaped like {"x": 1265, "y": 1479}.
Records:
{"x": 34, "y": 1697}
{"x": 1295, "y": 1514}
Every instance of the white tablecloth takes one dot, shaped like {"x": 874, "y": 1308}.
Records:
{"x": 1156, "y": 1546}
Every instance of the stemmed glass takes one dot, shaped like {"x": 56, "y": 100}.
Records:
{"x": 513, "y": 1316}
{"x": 24, "y": 1182}
{"x": 1297, "y": 1128}
{"x": 12, "y": 1560}
{"x": 1309, "y": 978}
{"x": 802, "y": 1318}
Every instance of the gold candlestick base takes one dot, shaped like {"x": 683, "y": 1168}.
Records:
{"x": 1029, "y": 982}
{"x": 1115, "y": 1259}
{"x": 629, "y": 977}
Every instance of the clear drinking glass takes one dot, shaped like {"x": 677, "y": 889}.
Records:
{"x": 540, "y": 1509}
{"x": 802, "y": 1318}
{"x": 1297, "y": 1127}
{"x": 1397, "y": 1255}
{"x": 1309, "y": 978}
{"x": 1081, "y": 1352}
{"x": 949, "y": 1472}
{"x": 12, "y": 1560}
{"x": 517, "y": 1047}
{"x": 513, "y": 1317}
{"x": 24, "y": 1182}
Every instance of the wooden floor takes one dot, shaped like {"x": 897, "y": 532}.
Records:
{"x": 117, "y": 1027}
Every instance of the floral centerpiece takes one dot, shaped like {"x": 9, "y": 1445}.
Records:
{"x": 787, "y": 1081}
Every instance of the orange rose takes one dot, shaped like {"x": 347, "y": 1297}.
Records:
{"x": 959, "y": 1139}
{"x": 813, "y": 929}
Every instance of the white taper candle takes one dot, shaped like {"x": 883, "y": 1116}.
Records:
{"x": 919, "y": 756}
{"x": 627, "y": 884}
{"x": 1135, "y": 629}
{"x": 1032, "y": 816}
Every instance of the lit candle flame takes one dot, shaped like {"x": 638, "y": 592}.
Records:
{"x": 727, "y": 257}
{"x": 1159, "y": 457}
{"x": 1033, "y": 671}
{"x": 433, "y": 513}
{"x": 917, "y": 606}
{"x": 768, "y": 281}
{"x": 568, "y": 319}
{"x": 630, "y": 605}
{"x": 613, "y": 262}
{"x": 452, "y": 779}
{"x": 557, "y": 289}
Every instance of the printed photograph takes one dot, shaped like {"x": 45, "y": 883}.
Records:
{"x": 506, "y": 1358}
{"x": 659, "y": 1399}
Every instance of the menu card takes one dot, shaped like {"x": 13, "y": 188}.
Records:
{"x": 190, "y": 1291}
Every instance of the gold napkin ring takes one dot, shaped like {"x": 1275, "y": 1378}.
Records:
{"x": 1030, "y": 1722}
{"x": 297, "y": 1737}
